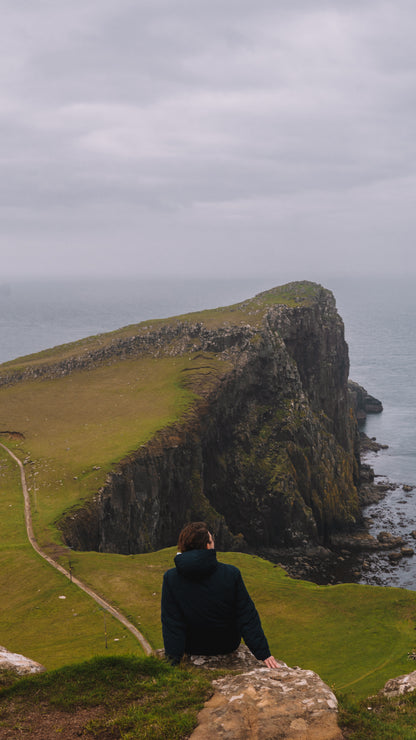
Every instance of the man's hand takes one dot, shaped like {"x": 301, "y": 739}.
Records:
{"x": 271, "y": 662}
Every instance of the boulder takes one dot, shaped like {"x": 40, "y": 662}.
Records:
{"x": 264, "y": 703}
{"x": 400, "y": 685}
{"x": 395, "y": 556}
{"x": 18, "y": 663}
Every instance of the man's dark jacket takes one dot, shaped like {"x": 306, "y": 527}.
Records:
{"x": 206, "y": 609}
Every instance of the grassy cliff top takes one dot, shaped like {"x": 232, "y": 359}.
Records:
{"x": 76, "y": 426}
{"x": 250, "y": 312}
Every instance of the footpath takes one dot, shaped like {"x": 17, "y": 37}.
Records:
{"x": 31, "y": 537}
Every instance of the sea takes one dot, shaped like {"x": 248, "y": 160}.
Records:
{"x": 379, "y": 315}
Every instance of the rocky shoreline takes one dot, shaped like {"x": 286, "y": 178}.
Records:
{"x": 346, "y": 558}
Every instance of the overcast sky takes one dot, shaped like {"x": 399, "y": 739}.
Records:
{"x": 232, "y": 137}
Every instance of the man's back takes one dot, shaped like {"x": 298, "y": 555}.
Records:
{"x": 206, "y": 608}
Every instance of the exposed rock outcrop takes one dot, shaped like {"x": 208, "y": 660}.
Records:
{"x": 263, "y": 703}
{"x": 363, "y": 403}
{"x": 18, "y": 663}
{"x": 400, "y": 685}
{"x": 269, "y": 454}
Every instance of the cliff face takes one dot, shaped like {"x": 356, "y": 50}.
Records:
{"x": 268, "y": 455}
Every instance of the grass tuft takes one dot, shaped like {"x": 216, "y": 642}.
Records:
{"x": 132, "y": 697}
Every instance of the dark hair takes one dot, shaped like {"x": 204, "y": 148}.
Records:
{"x": 194, "y": 536}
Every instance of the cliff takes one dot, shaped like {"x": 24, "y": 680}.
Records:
{"x": 268, "y": 452}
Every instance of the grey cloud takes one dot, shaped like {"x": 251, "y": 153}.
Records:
{"x": 242, "y": 128}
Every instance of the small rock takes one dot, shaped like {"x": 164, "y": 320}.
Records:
{"x": 407, "y": 552}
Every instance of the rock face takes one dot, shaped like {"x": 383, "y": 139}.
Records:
{"x": 269, "y": 454}
{"x": 266, "y": 704}
{"x": 18, "y": 663}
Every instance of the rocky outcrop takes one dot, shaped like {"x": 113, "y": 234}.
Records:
{"x": 400, "y": 685}
{"x": 18, "y": 663}
{"x": 269, "y": 454}
{"x": 362, "y": 402}
{"x": 285, "y": 703}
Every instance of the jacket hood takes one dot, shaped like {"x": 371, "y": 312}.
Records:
{"x": 196, "y": 564}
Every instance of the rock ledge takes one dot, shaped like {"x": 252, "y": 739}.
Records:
{"x": 263, "y": 703}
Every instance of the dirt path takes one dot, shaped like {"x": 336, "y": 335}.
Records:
{"x": 104, "y": 604}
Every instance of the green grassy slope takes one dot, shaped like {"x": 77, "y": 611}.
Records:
{"x": 35, "y": 619}
{"x": 77, "y": 427}
{"x": 355, "y": 637}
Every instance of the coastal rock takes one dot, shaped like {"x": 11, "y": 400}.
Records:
{"x": 363, "y": 403}
{"x": 268, "y": 455}
{"x": 285, "y": 703}
{"x": 372, "y": 493}
{"x": 388, "y": 540}
{"x": 356, "y": 542}
{"x": 394, "y": 557}
{"x": 18, "y": 663}
{"x": 370, "y": 444}
{"x": 362, "y": 541}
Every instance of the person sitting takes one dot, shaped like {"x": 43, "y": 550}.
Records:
{"x": 206, "y": 608}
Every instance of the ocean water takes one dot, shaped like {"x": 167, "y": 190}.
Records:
{"x": 380, "y": 320}
{"x": 379, "y": 317}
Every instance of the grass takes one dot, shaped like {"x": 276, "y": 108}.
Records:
{"x": 78, "y": 427}
{"x": 246, "y": 312}
{"x": 379, "y": 718}
{"x": 355, "y": 637}
{"x": 145, "y": 697}
{"x": 131, "y": 697}
{"x": 35, "y": 619}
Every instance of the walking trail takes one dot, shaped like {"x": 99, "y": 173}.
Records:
{"x": 104, "y": 604}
